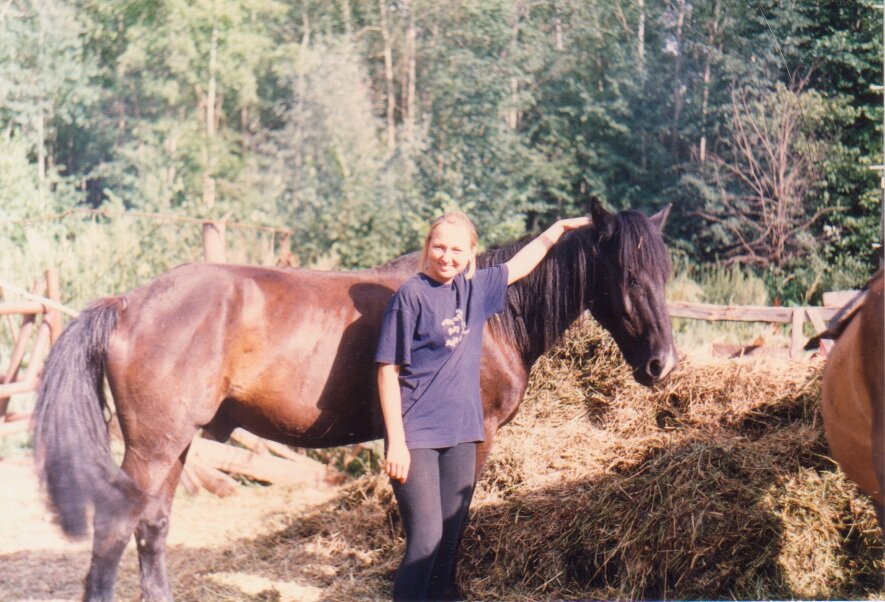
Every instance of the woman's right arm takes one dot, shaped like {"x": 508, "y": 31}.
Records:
{"x": 398, "y": 457}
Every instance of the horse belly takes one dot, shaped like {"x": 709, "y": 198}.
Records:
{"x": 847, "y": 410}
{"x": 313, "y": 386}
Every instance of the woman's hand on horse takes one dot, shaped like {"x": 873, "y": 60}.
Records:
{"x": 398, "y": 459}
{"x": 527, "y": 258}
{"x": 573, "y": 223}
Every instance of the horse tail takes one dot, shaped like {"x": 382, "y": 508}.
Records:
{"x": 71, "y": 442}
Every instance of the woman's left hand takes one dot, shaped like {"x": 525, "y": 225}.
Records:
{"x": 572, "y": 223}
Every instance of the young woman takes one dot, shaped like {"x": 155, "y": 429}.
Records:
{"x": 428, "y": 381}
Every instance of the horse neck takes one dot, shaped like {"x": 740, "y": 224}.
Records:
{"x": 545, "y": 303}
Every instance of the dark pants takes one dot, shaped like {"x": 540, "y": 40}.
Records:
{"x": 433, "y": 504}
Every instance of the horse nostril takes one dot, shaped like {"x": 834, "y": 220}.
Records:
{"x": 654, "y": 368}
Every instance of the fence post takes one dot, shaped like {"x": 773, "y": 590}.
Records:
{"x": 213, "y": 242}
{"x": 53, "y": 291}
{"x": 21, "y": 342}
{"x": 797, "y": 339}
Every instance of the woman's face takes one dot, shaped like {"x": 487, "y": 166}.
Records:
{"x": 449, "y": 252}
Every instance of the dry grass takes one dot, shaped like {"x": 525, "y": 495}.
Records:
{"x": 713, "y": 486}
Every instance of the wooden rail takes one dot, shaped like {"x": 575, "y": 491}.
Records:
{"x": 744, "y": 313}
{"x": 38, "y": 336}
{"x": 795, "y": 316}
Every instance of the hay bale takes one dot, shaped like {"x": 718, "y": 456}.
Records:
{"x": 714, "y": 485}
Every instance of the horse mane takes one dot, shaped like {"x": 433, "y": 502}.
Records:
{"x": 407, "y": 262}
{"x": 543, "y": 304}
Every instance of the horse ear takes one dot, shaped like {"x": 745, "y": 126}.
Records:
{"x": 660, "y": 218}
{"x": 601, "y": 218}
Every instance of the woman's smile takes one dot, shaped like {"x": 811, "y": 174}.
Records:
{"x": 449, "y": 252}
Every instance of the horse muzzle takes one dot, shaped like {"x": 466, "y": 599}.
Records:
{"x": 656, "y": 367}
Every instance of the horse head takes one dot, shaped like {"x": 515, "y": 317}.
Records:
{"x": 632, "y": 267}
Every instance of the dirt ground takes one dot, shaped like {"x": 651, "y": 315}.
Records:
{"x": 207, "y": 535}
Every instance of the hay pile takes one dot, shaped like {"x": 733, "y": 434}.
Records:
{"x": 714, "y": 486}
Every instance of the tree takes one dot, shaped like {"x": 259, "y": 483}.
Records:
{"x": 762, "y": 178}
{"x": 45, "y": 84}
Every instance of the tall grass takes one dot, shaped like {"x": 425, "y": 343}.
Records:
{"x": 720, "y": 285}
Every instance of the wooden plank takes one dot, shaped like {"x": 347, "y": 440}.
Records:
{"x": 213, "y": 479}
{"x": 249, "y": 441}
{"x": 49, "y": 303}
{"x": 22, "y": 386}
{"x": 284, "y": 451}
{"x": 838, "y": 298}
{"x": 21, "y": 344}
{"x": 738, "y": 313}
{"x": 797, "y": 338}
{"x": 816, "y": 319}
{"x": 261, "y": 445}
{"x": 820, "y": 325}
{"x": 38, "y": 352}
{"x": 213, "y": 242}
{"x": 18, "y": 352}
{"x": 53, "y": 291}
{"x": 19, "y": 425}
{"x": 263, "y": 467}
{"x": 190, "y": 480}
{"x": 22, "y": 307}
{"x": 826, "y": 313}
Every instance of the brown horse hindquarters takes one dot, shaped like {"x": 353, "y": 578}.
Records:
{"x": 853, "y": 402}
{"x": 873, "y": 326}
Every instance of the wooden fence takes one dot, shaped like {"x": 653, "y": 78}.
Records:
{"x": 795, "y": 316}
{"x": 210, "y": 463}
{"x": 39, "y": 325}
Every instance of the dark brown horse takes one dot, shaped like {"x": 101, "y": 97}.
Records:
{"x": 853, "y": 396}
{"x": 288, "y": 355}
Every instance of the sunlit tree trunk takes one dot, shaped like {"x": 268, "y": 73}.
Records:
{"x": 41, "y": 112}
{"x": 640, "y": 66}
{"x": 208, "y": 174}
{"x": 346, "y": 17}
{"x": 300, "y": 94}
{"x": 678, "y": 95}
{"x": 640, "y": 38}
{"x": 388, "y": 78}
{"x": 712, "y": 37}
{"x": 512, "y": 113}
{"x": 410, "y": 64}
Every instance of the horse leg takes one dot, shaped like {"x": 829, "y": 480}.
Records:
{"x": 154, "y": 478}
{"x": 113, "y": 526}
{"x": 150, "y": 537}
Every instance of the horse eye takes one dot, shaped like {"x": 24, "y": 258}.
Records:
{"x": 631, "y": 281}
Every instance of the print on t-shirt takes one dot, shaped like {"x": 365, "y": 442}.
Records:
{"x": 455, "y": 329}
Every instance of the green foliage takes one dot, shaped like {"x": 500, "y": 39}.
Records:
{"x": 277, "y": 113}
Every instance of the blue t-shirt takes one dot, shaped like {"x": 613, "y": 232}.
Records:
{"x": 434, "y": 332}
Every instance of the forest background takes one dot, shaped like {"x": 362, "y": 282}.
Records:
{"x": 353, "y": 122}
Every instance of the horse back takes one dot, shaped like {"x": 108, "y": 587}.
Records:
{"x": 287, "y": 354}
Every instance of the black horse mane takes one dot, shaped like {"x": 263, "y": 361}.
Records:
{"x": 542, "y": 305}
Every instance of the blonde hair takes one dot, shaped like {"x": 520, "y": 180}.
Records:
{"x": 454, "y": 218}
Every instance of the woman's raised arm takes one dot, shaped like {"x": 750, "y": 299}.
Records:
{"x": 528, "y": 258}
